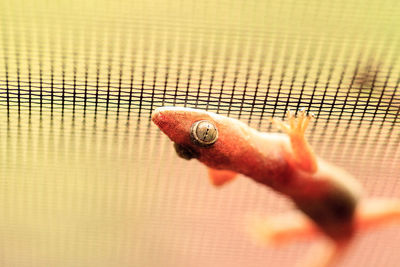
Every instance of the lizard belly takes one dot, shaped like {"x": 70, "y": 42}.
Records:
{"x": 333, "y": 212}
{"x": 329, "y": 198}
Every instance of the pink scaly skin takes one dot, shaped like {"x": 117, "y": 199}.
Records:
{"x": 330, "y": 197}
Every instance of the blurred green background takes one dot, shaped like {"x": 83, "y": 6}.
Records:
{"x": 87, "y": 180}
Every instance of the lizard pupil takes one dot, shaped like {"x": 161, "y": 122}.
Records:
{"x": 204, "y": 133}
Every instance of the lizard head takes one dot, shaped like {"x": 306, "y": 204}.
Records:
{"x": 211, "y": 138}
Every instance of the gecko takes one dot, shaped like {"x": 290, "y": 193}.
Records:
{"x": 330, "y": 203}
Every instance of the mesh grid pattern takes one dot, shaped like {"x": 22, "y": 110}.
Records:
{"x": 87, "y": 180}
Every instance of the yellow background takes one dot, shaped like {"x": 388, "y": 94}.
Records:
{"x": 87, "y": 180}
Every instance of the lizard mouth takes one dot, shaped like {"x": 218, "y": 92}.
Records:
{"x": 156, "y": 117}
{"x": 162, "y": 119}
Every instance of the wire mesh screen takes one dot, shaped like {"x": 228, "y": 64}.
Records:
{"x": 87, "y": 180}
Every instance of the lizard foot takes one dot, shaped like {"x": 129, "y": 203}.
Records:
{"x": 295, "y": 125}
{"x": 302, "y": 155}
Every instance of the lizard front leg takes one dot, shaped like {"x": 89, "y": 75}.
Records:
{"x": 302, "y": 157}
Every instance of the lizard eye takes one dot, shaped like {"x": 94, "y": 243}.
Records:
{"x": 204, "y": 133}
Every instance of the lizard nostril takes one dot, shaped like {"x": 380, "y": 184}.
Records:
{"x": 204, "y": 133}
